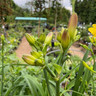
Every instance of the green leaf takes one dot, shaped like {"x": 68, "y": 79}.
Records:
{"x": 58, "y": 68}
{"x": 80, "y": 72}
{"x": 12, "y": 57}
{"x": 34, "y": 86}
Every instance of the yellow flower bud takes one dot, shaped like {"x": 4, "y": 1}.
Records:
{"x": 89, "y": 68}
{"x": 35, "y": 54}
{"x": 48, "y": 38}
{"x": 30, "y": 38}
{"x": 56, "y": 44}
{"x": 31, "y": 60}
{"x": 62, "y": 30}
{"x": 59, "y": 36}
{"x": 39, "y": 62}
{"x": 42, "y": 38}
{"x": 2, "y": 37}
{"x": 65, "y": 39}
{"x": 93, "y": 40}
{"x": 72, "y": 26}
{"x": 28, "y": 60}
{"x": 29, "y": 56}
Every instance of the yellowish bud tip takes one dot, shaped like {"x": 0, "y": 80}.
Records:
{"x": 39, "y": 62}
{"x": 59, "y": 36}
{"x": 48, "y": 38}
{"x": 62, "y": 30}
{"x": 35, "y": 54}
{"x": 42, "y": 38}
{"x": 72, "y": 25}
{"x": 2, "y": 37}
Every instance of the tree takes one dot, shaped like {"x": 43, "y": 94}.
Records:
{"x": 5, "y": 8}
{"x": 31, "y": 5}
{"x": 86, "y": 10}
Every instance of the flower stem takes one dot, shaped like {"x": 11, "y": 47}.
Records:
{"x": 46, "y": 78}
{"x": 50, "y": 72}
{"x": 2, "y": 81}
{"x": 57, "y": 88}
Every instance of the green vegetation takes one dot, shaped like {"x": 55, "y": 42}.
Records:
{"x": 86, "y": 10}
{"x": 50, "y": 69}
{"x": 55, "y": 8}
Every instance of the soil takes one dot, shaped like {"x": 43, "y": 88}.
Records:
{"x": 24, "y": 48}
{"x": 76, "y": 51}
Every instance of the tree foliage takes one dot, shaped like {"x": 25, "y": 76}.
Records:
{"x": 86, "y": 10}
{"x": 50, "y": 12}
{"x": 36, "y": 8}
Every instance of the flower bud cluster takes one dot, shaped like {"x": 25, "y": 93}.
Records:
{"x": 35, "y": 59}
{"x": 68, "y": 35}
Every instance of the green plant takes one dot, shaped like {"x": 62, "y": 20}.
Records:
{"x": 65, "y": 39}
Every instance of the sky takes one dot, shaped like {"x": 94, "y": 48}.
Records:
{"x": 65, "y": 3}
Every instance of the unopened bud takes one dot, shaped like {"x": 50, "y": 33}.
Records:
{"x": 59, "y": 36}
{"x": 62, "y": 30}
{"x": 2, "y": 37}
{"x": 35, "y": 54}
{"x": 56, "y": 44}
{"x": 65, "y": 39}
{"x": 39, "y": 62}
{"x": 42, "y": 38}
{"x": 48, "y": 38}
{"x": 72, "y": 26}
{"x": 28, "y": 60}
{"x": 92, "y": 39}
{"x": 30, "y": 38}
{"x": 29, "y": 56}
{"x": 31, "y": 60}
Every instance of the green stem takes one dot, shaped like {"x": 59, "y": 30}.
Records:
{"x": 50, "y": 72}
{"x": 93, "y": 84}
{"x": 2, "y": 81}
{"x": 46, "y": 78}
{"x": 94, "y": 68}
{"x": 61, "y": 61}
{"x": 58, "y": 88}
{"x": 73, "y": 5}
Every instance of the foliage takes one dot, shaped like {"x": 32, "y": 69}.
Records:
{"x": 30, "y": 80}
{"x": 85, "y": 10}
{"x": 51, "y": 71}
{"x": 37, "y": 9}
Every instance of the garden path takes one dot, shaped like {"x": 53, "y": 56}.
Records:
{"x": 24, "y": 48}
{"x": 76, "y": 51}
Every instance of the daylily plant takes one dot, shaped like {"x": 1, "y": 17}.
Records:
{"x": 65, "y": 39}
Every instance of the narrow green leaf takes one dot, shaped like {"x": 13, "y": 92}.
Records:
{"x": 58, "y": 68}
